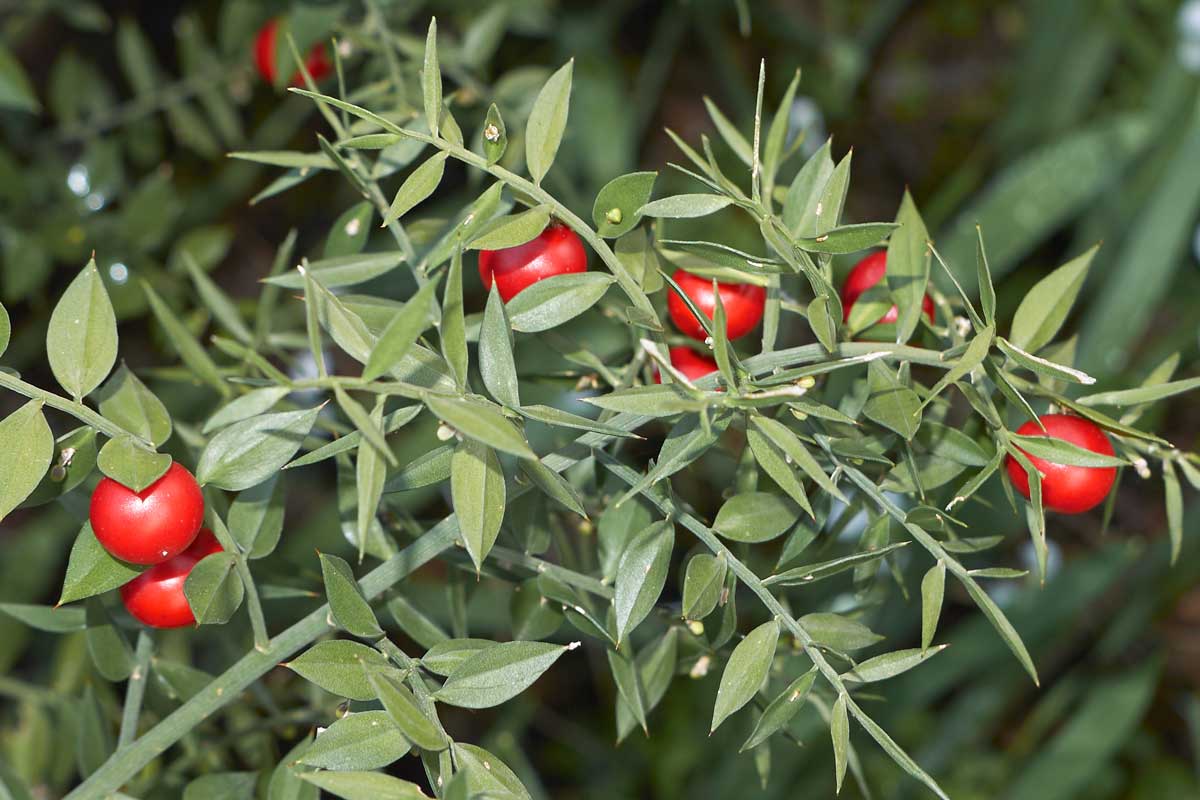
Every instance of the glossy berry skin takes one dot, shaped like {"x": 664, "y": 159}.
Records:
{"x": 316, "y": 63}
{"x": 743, "y": 303}
{"x": 152, "y": 525}
{"x": 690, "y": 363}
{"x": 554, "y": 251}
{"x": 156, "y": 597}
{"x": 867, "y": 273}
{"x": 1067, "y": 489}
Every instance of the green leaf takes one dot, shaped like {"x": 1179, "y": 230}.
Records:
{"x": 108, "y": 647}
{"x": 480, "y": 421}
{"x": 431, "y": 80}
{"x": 213, "y": 589}
{"x": 397, "y": 338}
{"x": 286, "y": 782}
{"x": 629, "y": 685}
{"x": 425, "y": 470}
{"x": 477, "y": 489}
{"x": 869, "y": 308}
{"x": 370, "y": 473}
{"x": 364, "y": 785}
{"x": 15, "y": 89}
{"x": 216, "y": 300}
{"x": 987, "y": 291}
{"x": 497, "y": 674}
{"x": 746, "y": 670}
{"x": 804, "y": 193}
{"x": 496, "y": 363}
{"x": 370, "y": 427}
{"x": 781, "y": 710}
{"x": 848, "y": 238}
{"x": 445, "y": 657}
{"x": 755, "y": 517}
{"x": 346, "y": 270}
{"x": 810, "y": 573}
{"x": 547, "y": 121}
{"x": 256, "y": 518}
{"x": 839, "y": 730}
{"x": 510, "y": 231}
{"x": 361, "y": 740}
{"x": 729, "y": 132}
{"x": 617, "y": 206}
{"x": 1060, "y": 451}
{"x": 127, "y": 401}
{"x": 402, "y": 706}
{"x": 654, "y": 401}
{"x": 251, "y": 451}
{"x": 786, "y": 440}
{"x": 642, "y": 574}
{"x": 1046, "y": 305}
{"x": 342, "y": 667}
{"x": 838, "y": 632}
{"x": 91, "y": 570}
{"x": 1142, "y": 394}
{"x": 349, "y": 233}
{"x": 656, "y": 668}
{"x": 93, "y": 744}
{"x": 552, "y": 301}
{"x": 889, "y": 665}
{"x": 1174, "y": 506}
{"x": 487, "y": 775}
{"x": 27, "y": 445}
{"x": 553, "y": 485}
{"x": 225, "y": 785}
{"x": 5, "y": 329}
{"x": 684, "y": 206}
{"x": 453, "y": 328}
{"x": 420, "y": 628}
{"x": 908, "y": 267}
{"x": 81, "y": 341}
{"x": 495, "y": 136}
{"x": 251, "y": 404}
{"x": 892, "y": 404}
{"x": 347, "y": 604}
{"x": 702, "y": 584}
{"x": 833, "y": 196}
{"x": 933, "y": 588}
{"x": 130, "y": 464}
{"x": 952, "y": 444}
{"x": 51, "y": 619}
{"x": 194, "y": 357}
{"x": 418, "y": 186}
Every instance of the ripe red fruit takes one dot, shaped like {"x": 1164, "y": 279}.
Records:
{"x": 867, "y": 273}
{"x": 316, "y": 63}
{"x": 690, "y": 363}
{"x": 743, "y": 303}
{"x": 152, "y": 525}
{"x": 156, "y": 596}
{"x": 554, "y": 251}
{"x": 1067, "y": 489}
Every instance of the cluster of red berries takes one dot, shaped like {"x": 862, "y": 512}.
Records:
{"x": 157, "y": 527}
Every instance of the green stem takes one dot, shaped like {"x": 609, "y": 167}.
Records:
{"x": 135, "y": 690}
{"x": 76, "y": 409}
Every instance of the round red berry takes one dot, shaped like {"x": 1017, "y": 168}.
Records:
{"x": 693, "y": 365}
{"x": 1067, "y": 489}
{"x": 743, "y": 303}
{"x": 317, "y": 63}
{"x": 863, "y": 276}
{"x": 152, "y": 525}
{"x": 554, "y": 251}
{"x": 156, "y": 597}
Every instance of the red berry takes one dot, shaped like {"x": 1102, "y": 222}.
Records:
{"x": 554, "y": 251}
{"x": 867, "y": 273}
{"x": 690, "y": 363}
{"x": 743, "y": 303}
{"x": 316, "y": 63}
{"x": 156, "y": 596}
{"x": 1067, "y": 489}
{"x": 152, "y": 525}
